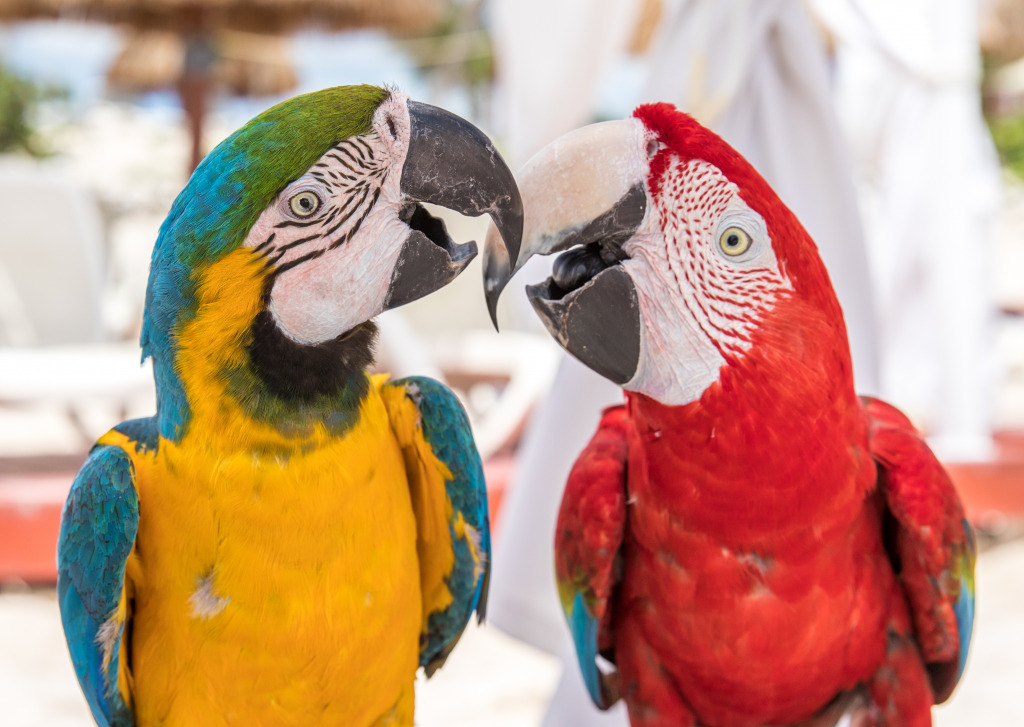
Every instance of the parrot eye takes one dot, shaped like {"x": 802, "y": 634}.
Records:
{"x": 734, "y": 241}
{"x": 304, "y": 204}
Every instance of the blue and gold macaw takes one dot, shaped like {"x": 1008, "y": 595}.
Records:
{"x": 289, "y": 538}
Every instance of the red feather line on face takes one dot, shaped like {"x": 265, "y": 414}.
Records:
{"x": 684, "y": 138}
{"x": 726, "y": 301}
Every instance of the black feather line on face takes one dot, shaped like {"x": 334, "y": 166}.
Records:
{"x": 352, "y": 157}
{"x": 355, "y": 228}
{"x": 298, "y": 261}
{"x": 345, "y": 218}
{"x": 259, "y": 249}
{"x": 296, "y": 243}
{"x": 345, "y": 164}
{"x": 296, "y": 223}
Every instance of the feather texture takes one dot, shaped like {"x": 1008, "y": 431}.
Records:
{"x": 588, "y": 543}
{"x": 97, "y": 535}
{"x": 287, "y": 540}
{"x": 450, "y": 501}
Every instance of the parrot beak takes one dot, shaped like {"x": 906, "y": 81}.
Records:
{"x": 450, "y": 163}
{"x": 585, "y": 196}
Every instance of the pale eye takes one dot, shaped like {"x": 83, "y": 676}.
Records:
{"x": 304, "y": 204}
{"x": 734, "y": 241}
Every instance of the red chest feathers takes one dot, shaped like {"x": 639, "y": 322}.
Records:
{"x": 755, "y": 555}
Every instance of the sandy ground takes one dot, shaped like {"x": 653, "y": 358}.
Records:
{"x": 493, "y": 680}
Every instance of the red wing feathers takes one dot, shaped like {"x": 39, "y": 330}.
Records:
{"x": 934, "y": 545}
{"x": 592, "y": 518}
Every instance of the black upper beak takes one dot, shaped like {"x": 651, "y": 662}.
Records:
{"x": 453, "y": 164}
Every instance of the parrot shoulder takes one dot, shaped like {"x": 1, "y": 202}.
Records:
{"x": 449, "y": 498}
{"x": 97, "y": 536}
{"x": 932, "y": 544}
{"x": 588, "y": 541}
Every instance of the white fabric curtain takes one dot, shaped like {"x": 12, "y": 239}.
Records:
{"x": 551, "y": 58}
{"x": 908, "y": 73}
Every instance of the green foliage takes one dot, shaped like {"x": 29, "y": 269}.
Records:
{"x": 1008, "y": 135}
{"x": 19, "y": 100}
{"x": 457, "y": 51}
{"x": 459, "y": 39}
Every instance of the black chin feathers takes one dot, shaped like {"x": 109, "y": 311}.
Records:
{"x": 297, "y": 372}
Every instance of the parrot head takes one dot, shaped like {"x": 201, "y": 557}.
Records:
{"x": 676, "y": 257}
{"x": 295, "y": 232}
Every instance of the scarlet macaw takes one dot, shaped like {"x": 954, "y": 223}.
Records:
{"x": 747, "y": 541}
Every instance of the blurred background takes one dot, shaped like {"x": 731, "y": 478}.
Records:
{"x": 895, "y": 130}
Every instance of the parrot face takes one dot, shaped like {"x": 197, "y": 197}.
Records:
{"x": 295, "y": 232}
{"x": 349, "y": 239}
{"x": 667, "y": 269}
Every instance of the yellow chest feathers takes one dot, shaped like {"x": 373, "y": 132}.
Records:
{"x": 275, "y": 585}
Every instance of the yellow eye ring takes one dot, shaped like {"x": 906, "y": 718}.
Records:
{"x": 304, "y": 204}
{"x": 734, "y": 241}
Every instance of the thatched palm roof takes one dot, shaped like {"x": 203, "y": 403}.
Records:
{"x": 198, "y": 22}
{"x": 247, "y": 64}
{"x": 1001, "y": 29}
{"x": 263, "y": 16}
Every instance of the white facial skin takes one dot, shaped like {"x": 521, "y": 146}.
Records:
{"x": 697, "y": 301}
{"x": 335, "y": 235}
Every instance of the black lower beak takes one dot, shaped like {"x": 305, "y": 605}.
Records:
{"x": 429, "y": 260}
{"x": 598, "y": 323}
{"x": 589, "y": 304}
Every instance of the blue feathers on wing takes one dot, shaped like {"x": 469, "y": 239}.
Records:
{"x": 97, "y": 532}
{"x": 964, "y": 607}
{"x": 446, "y": 429}
{"x": 583, "y": 626}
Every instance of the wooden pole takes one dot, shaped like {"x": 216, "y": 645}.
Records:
{"x": 195, "y": 85}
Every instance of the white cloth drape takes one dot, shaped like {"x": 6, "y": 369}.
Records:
{"x": 907, "y": 91}
{"x": 551, "y": 57}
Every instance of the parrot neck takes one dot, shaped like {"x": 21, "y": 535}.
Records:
{"x": 777, "y": 440}
{"x": 305, "y": 373}
{"x": 246, "y": 383}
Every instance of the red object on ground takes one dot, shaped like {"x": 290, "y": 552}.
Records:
{"x": 993, "y": 487}
{"x": 498, "y": 471}
{"x": 30, "y": 506}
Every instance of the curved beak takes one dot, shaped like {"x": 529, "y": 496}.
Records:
{"x": 585, "y": 195}
{"x": 453, "y": 164}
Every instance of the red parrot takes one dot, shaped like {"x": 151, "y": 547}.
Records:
{"x": 745, "y": 541}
